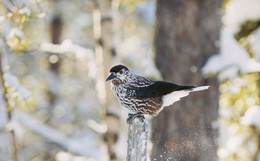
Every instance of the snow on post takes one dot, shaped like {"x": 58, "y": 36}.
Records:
{"x": 137, "y": 140}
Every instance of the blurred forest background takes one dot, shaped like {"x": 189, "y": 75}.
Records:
{"x": 56, "y": 54}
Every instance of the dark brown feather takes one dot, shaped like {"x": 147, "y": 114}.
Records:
{"x": 158, "y": 88}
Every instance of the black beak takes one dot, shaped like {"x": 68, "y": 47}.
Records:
{"x": 111, "y": 76}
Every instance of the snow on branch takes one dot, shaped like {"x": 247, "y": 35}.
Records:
{"x": 67, "y": 46}
{"x": 251, "y": 117}
{"x": 80, "y": 53}
{"x": 232, "y": 60}
{"x": 248, "y": 11}
{"x": 13, "y": 83}
{"x": 55, "y": 136}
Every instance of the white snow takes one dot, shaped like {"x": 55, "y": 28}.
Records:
{"x": 13, "y": 82}
{"x": 6, "y": 27}
{"x": 25, "y": 10}
{"x": 225, "y": 113}
{"x": 2, "y": 19}
{"x": 79, "y": 146}
{"x": 65, "y": 156}
{"x": 240, "y": 11}
{"x": 252, "y": 117}
{"x": 234, "y": 142}
{"x": 67, "y": 46}
{"x": 15, "y": 32}
{"x": 232, "y": 59}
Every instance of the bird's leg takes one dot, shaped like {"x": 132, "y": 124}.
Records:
{"x": 134, "y": 115}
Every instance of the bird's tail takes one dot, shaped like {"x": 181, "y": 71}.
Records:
{"x": 200, "y": 88}
{"x": 175, "y": 96}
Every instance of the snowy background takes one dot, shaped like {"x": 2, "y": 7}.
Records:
{"x": 50, "y": 70}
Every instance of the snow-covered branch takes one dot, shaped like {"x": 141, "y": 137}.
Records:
{"x": 55, "y": 136}
{"x": 232, "y": 60}
{"x": 81, "y": 53}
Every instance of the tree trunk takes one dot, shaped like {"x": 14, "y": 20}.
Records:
{"x": 56, "y": 31}
{"x": 104, "y": 34}
{"x": 186, "y": 35}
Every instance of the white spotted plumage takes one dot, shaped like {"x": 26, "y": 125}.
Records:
{"x": 141, "y": 95}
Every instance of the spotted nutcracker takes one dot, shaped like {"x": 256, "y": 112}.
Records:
{"x": 144, "y": 96}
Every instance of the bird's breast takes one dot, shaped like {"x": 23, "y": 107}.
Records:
{"x": 119, "y": 91}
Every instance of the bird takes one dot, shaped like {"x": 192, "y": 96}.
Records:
{"x": 143, "y": 96}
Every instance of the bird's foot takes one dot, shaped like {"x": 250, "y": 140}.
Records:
{"x": 132, "y": 116}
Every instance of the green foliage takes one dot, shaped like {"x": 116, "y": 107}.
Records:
{"x": 17, "y": 18}
{"x": 247, "y": 28}
{"x": 238, "y": 141}
{"x": 12, "y": 22}
{"x": 224, "y": 4}
{"x": 237, "y": 96}
{"x": 130, "y": 5}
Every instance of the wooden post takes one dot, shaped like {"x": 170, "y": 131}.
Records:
{"x": 137, "y": 140}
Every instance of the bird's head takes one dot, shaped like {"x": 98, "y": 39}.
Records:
{"x": 118, "y": 73}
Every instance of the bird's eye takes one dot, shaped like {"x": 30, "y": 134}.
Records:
{"x": 120, "y": 72}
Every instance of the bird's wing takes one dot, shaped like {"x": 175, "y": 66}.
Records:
{"x": 139, "y": 81}
{"x": 158, "y": 88}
